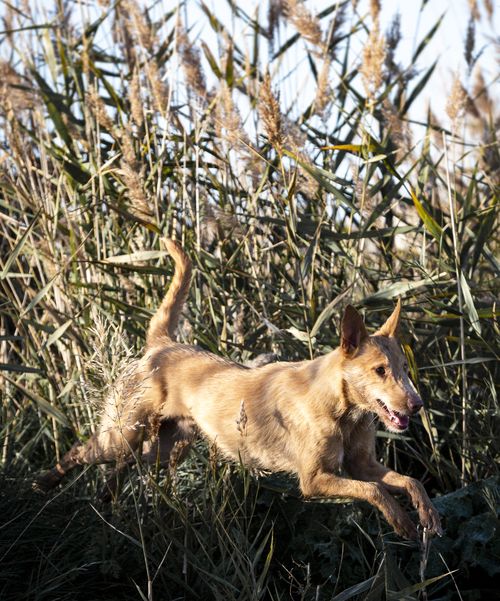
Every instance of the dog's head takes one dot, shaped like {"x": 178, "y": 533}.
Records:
{"x": 376, "y": 372}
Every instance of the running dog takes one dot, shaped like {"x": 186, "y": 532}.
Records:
{"x": 314, "y": 419}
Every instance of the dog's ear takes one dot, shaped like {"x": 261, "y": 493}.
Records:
{"x": 391, "y": 326}
{"x": 353, "y": 330}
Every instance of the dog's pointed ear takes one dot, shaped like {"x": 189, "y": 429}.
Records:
{"x": 391, "y": 326}
{"x": 353, "y": 330}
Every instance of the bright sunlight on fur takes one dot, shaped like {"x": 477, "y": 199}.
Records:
{"x": 314, "y": 419}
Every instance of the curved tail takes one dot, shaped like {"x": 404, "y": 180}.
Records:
{"x": 165, "y": 320}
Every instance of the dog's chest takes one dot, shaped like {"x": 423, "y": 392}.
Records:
{"x": 263, "y": 442}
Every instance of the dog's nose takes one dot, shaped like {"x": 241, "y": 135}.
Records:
{"x": 415, "y": 403}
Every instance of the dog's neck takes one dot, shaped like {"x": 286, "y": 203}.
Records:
{"x": 328, "y": 389}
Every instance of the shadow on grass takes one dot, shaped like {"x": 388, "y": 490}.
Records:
{"x": 229, "y": 536}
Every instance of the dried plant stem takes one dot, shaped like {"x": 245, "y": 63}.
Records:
{"x": 458, "y": 275}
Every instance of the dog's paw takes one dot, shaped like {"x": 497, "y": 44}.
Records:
{"x": 429, "y": 518}
{"x": 404, "y": 527}
{"x": 46, "y": 481}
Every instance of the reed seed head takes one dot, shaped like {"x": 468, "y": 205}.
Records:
{"x": 474, "y": 10}
{"x": 304, "y": 22}
{"x": 456, "y": 101}
{"x": 323, "y": 89}
{"x": 470, "y": 42}
{"x": 373, "y": 60}
{"x": 375, "y": 9}
{"x": 98, "y": 109}
{"x": 134, "y": 97}
{"x": 270, "y": 113}
{"x": 191, "y": 64}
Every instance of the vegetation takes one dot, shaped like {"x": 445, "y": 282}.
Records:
{"x": 119, "y": 128}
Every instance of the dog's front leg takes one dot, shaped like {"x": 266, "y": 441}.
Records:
{"x": 367, "y": 468}
{"x": 326, "y": 484}
{"x": 395, "y": 482}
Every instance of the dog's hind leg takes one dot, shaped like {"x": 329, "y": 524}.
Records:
{"x": 119, "y": 436}
{"x": 169, "y": 448}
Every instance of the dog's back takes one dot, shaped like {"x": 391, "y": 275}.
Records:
{"x": 308, "y": 418}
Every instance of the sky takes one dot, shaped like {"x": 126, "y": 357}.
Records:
{"x": 448, "y": 43}
{"x": 417, "y": 18}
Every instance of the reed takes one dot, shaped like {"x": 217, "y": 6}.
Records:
{"x": 125, "y": 122}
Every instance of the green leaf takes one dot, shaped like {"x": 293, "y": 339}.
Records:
{"x": 322, "y": 177}
{"x": 327, "y": 311}
{"x": 298, "y": 334}
{"x": 77, "y": 172}
{"x": 142, "y": 255}
{"x": 56, "y": 334}
{"x": 18, "y": 247}
{"x": 409, "y": 590}
{"x": 430, "y": 224}
{"x": 211, "y": 60}
{"x": 470, "y": 361}
{"x": 55, "y": 110}
{"x": 488, "y": 221}
{"x": 375, "y": 159}
{"x": 229, "y": 67}
{"x": 50, "y": 57}
{"x": 216, "y": 25}
{"x": 418, "y": 88}
{"x": 43, "y": 405}
{"x": 469, "y": 304}
{"x": 354, "y": 590}
{"x": 25, "y": 369}
{"x": 38, "y": 297}
{"x": 427, "y": 38}
{"x": 27, "y": 28}
{"x": 152, "y": 227}
{"x": 378, "y": 233}
{"x": 400, "y": 289}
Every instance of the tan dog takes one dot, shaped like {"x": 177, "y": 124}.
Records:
{"x": 310, "y": 418}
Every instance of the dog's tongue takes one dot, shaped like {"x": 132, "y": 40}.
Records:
{"x": 401, "y": 421}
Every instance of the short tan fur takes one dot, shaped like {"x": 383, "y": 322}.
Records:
{"x": 312, "y": 418}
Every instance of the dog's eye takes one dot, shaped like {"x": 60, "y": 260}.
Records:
{"x": 380, "y": 371}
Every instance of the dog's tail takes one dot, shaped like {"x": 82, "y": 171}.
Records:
{"x": 165, "y": 320}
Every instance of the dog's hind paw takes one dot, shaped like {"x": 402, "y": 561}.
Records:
{"x": 46, "y": 481}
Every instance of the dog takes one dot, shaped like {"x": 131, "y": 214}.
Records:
{"x": 314, "y": 419}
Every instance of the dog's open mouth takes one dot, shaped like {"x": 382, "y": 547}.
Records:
{"x": 398, "y": 420}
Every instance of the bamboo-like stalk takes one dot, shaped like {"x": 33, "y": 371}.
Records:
{"x": 458, "y": 276}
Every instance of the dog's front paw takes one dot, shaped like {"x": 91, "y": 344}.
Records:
{"x": 429, "y": 518}
{"x": 403, "y": 526}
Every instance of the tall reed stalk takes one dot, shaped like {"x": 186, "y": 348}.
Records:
{"x": 281, "y": 149}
